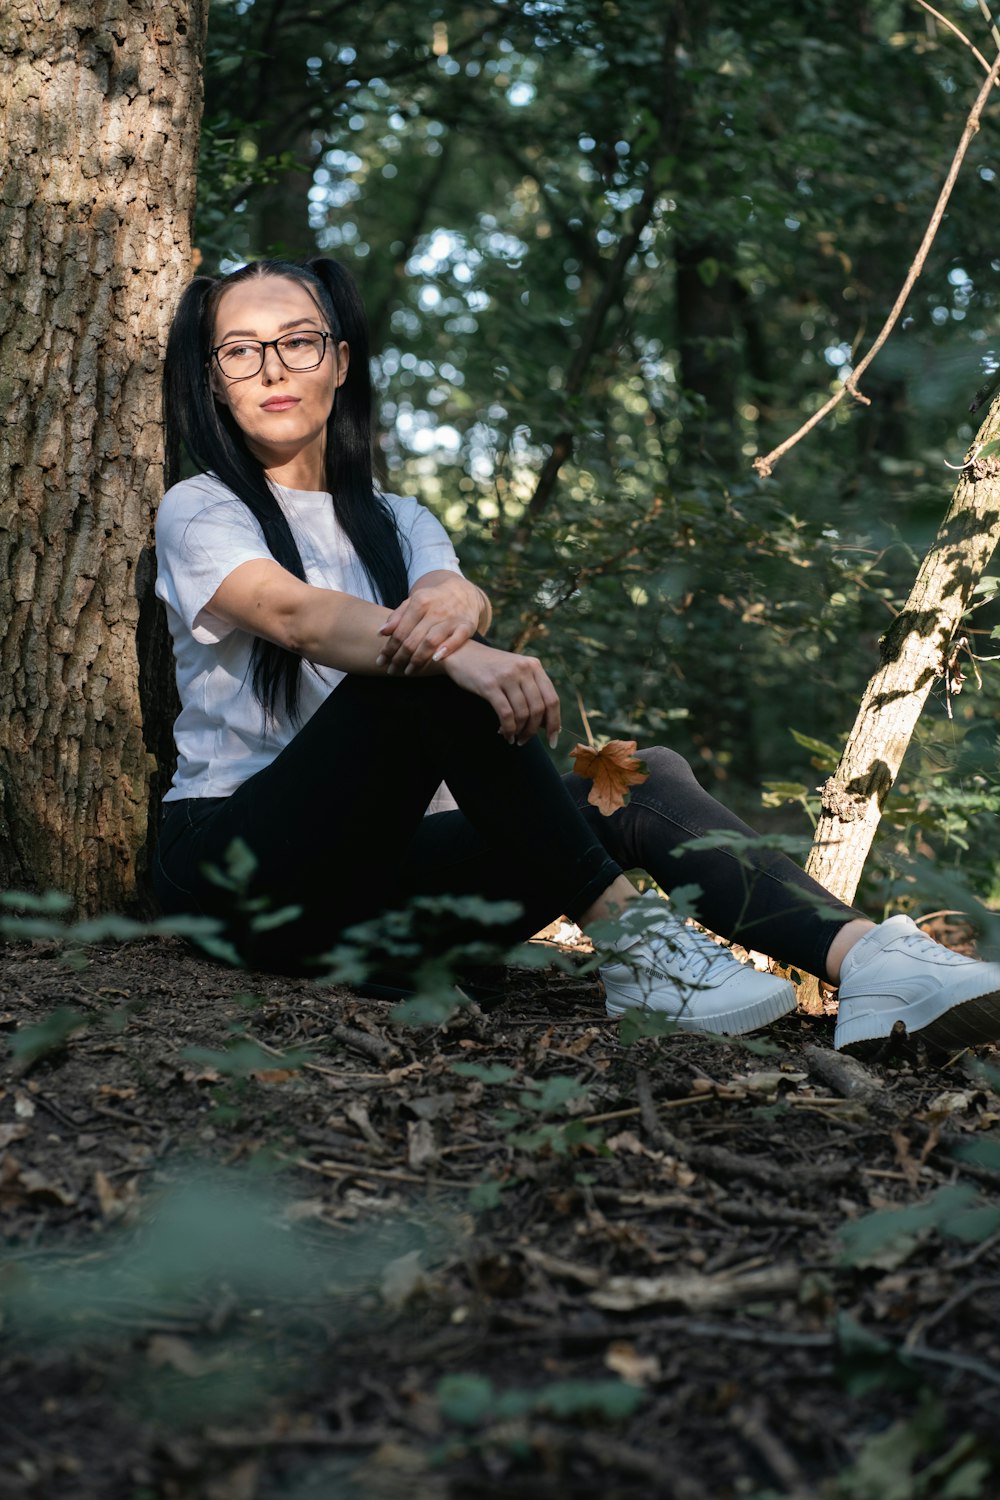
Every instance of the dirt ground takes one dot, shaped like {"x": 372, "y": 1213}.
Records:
{"x": 262, "y": 1241}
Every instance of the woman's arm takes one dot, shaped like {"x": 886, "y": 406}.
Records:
{"x": 322, "y": 625}
{"x": 442, "y": 612}
{"x": 338, "y": 630}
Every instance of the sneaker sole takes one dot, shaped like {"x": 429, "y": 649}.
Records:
{"x": 781, "y": 1002}
{"x": 963, "y": 1023}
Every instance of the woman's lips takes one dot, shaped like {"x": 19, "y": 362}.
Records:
{"x": 280, "y": 403}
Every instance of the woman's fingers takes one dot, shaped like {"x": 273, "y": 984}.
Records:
{"x": 438, "y": 643}
{"x": 552, "y": 716}
{"x": 533, "y": 701}
{"x": 517, "y": 688}
{"x": 425, "y": 643}
{"x": 444, "y": 614}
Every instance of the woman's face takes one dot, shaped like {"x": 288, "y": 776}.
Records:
{"x": 282, "y": 413}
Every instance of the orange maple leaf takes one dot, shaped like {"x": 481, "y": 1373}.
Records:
{"x": 612, "y": 769}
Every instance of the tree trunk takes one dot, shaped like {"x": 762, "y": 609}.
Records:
{"x": 102, "y": 109}
{"x": 914, "y": 652}
{"x": 706, "y": 337}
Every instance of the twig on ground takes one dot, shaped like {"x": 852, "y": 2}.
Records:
{"x": 938, "y": 1315}
{"x": 956, "y": 1361}
{"x": 749, "y": 1422}
{"x": 845, "y": 1074}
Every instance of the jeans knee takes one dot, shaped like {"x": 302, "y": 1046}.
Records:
{"x": 665, "y": 765}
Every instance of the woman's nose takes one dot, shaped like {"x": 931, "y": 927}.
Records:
{"x": 272, "y": 368}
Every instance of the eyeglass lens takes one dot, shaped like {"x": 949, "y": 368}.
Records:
{"x": 297, "y": 351}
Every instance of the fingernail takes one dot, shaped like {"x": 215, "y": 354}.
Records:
{"x": 408, "y": 671}
{"x": 380, "y": 661}
{"x": 554, "y": 740}
{"x": 441, "y": 652}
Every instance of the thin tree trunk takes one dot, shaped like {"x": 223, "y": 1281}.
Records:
{"x": 914, "y": 651}
{"x": 97, "y": 163}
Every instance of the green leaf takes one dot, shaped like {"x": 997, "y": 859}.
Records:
{"x": 887, "y": 1237}
{"x": 109, "y": 928}
{"x": 24, "y": 929}
{"x": 613, "y": 1400}
{"x": 30, "y": 1043}
{"x": 50, "y": 903}
{"x": 487, "y": 1195}
{"x": 827, "y": 758}
{"x": 465, "y": 1399}
{"x": 431, "y": 1009}
{"x": 973, "y": 1225}
{"x": 777, "y": 793}
{"x": 556, "y": 1093}
{"x": 268, "y": 920}
{"x": 982, "y": 1153}
{"x": 485, "y": 1072}
{"x": 218, "y": 948}
{"x": 636, "y": 1025}
{"x": 243, "y": 1057}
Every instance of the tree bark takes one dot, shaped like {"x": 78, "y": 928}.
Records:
{"x": 914, "y": 652}
{"x": 97, "y": 163}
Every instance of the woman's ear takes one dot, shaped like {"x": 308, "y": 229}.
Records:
{"x": 343, "y": 353}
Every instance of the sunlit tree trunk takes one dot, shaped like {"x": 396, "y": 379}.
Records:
{"x": 97, "y": 164}
{"x": 914, "y": 651}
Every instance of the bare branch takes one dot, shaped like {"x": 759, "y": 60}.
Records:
{"x": 764, "y": 466}
{"x": 989, "y": 21}
{"x": 960, "y": 34}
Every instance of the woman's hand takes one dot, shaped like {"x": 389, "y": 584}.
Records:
{"x": 443, "y": 611}
{"x": 518, "y": 687}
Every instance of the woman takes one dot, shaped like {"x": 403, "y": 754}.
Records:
{"x": 332, "y": 673}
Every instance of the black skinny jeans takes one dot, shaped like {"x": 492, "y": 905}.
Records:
{"x": 336, "y": 824}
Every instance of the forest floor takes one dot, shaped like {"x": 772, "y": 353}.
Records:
{"x": 263, "y": 1241}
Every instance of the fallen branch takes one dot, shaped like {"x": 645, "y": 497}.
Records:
{"x": 695, "y": 1291}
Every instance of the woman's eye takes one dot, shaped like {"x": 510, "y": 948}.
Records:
{"x": 235, "y": 351}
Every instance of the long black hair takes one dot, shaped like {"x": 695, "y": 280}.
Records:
{"x": 205, "y": 427}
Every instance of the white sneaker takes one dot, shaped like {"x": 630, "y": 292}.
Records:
{"x": 678, "y": 971}
{"x": 896, "y": 973}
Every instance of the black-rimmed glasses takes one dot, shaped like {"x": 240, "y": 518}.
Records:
{"x": 239, "y": 359}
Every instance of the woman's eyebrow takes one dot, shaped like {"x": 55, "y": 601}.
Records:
{"x": 250, "y": 333}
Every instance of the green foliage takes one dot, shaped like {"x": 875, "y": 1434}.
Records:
{"x": 887, "y": 1237}
{"x": 472, "y": 1401}
{"x": 243, "y": 1057}
{"x": 33, "y": 917}
{"x": 31, "y": 1043}
{"x": 485, "y": 1072}
{"x": 893, "y": 1465}
{"x": 427, "y": 946}
{"x": 540, "y": 1120}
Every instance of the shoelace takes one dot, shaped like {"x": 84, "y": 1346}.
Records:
{"x": 691, "y": 952}
{"x": 920, "y": 940}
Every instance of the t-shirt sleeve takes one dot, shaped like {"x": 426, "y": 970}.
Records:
{"x": 427, "y": 546}
{"x": 201, "y": 536}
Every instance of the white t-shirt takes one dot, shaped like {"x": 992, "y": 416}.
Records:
{"x": 203, "y": 532}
